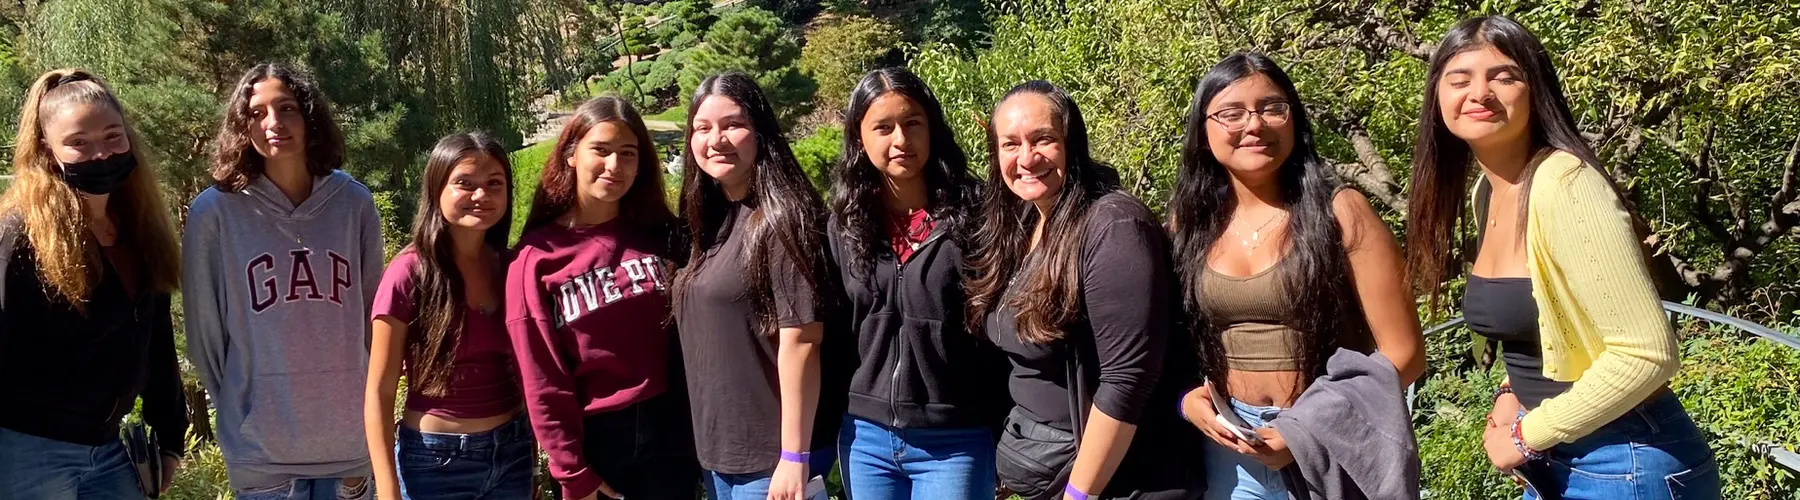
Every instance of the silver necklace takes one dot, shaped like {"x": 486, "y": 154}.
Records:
{"x": 1255, "y": 240}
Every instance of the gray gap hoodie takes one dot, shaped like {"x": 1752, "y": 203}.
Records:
{"x": 276, "y": 299}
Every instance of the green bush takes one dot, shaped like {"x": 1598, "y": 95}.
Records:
{"x": 818, "y": 155}
{"x": 839, "y": 51}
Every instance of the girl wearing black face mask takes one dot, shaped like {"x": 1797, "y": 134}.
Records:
{"x": 90, "y": 263}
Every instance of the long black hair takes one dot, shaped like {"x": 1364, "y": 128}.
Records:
{"x": 1051, "y": 297}
{"x": 438, "y": 326}
{"x": 856, "y": 199}
{"x": 1316, "y": 279}
{"x": 1441, "y": 161}
{"x": 788, "y": 219}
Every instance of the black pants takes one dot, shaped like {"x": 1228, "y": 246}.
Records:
{"x": 645, "y": 451}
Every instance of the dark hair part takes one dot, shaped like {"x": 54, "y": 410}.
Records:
{"x": 1441, "y": 161}
{"x": 643, "y": 206}
{"x": 235, "y": 161}
{"x": 788, "y": 218}
{"x": 438, "y": 326}
{"x": 1316, "y": 280}
{"x": 952, "y": 190}
{"x": 1051, "y": 297}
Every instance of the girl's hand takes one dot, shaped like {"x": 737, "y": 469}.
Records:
{"x": 1500, "y": 449}
{"x": 788, "y": 482}
{"x": 169, "y": 466}
{"x": 1197, "y": 406}
{"x": 1272, "y": 451}
{"x": 1506, "y": 410}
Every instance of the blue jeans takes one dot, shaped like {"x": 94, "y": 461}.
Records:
{"x": 755, "y": 485}
{"x": 884, "y": 463}
{"x": 1653, "y": 451}
{"x": 1234, "y": 476}
{"x": 35, "y": 468}
{"x": 328, "y": 488}
{"x": 496, "y": 464}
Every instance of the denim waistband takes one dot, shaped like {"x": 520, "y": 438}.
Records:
{"x": 511, "y": 431}
{"x": 1265, "y": 413}
{"x": 1660, "y": 408}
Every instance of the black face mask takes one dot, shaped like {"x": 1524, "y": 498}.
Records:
{"x": 102, "y": 176}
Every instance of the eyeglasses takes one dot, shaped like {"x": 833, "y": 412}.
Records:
{"x": 1235, "y": 119}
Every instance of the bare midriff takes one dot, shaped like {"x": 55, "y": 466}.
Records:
{"x": 424, "y": 422}
{"x": 1265, "y": 388}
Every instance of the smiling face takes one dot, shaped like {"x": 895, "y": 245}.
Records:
{"x": 1031, "y": 147}
{"x": 84, "y": 132}
{"x": 277, "y": 126}
{"x": 1267, "y": 134}
{"x": 723, "y": 141}
{"x": 1483, "y": 97}
{"x": 606, "y": 162}
{"x": 895, "y": 136}
{"x": 474, "y": 196}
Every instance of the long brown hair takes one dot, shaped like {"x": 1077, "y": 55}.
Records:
{"x": 1051, "y": 297}
{"x": 1437, "y": 238}
{"x": 643, "y": 206}
{"x": 438, "y": 325}
{"x": 789, "y": 216}
{"x": 55, "y": 224}
{"x": 235, "y": 160}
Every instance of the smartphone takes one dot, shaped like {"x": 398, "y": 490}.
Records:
{"x": 1230, "y": 419}
{"x": 815, "y": 489}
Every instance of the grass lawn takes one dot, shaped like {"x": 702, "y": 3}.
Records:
{"x": 527, "y": 165}
{"x": 676, "y": 113}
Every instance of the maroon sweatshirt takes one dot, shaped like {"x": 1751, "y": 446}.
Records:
{"x": 587, "y": 310}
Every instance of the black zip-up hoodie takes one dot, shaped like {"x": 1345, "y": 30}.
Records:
{"x": 917, "y": 365}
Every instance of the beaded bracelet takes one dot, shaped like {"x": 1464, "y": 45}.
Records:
{"x": 1499, "y": 391}
{"x": 1518, "y": 439}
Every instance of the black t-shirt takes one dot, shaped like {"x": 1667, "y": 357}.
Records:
{"x": 1125, "y": 292}
{"x": 731, "y": 374}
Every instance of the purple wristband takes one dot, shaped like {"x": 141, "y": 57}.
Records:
{"x": 1073, "y": 492}
{"x": 799, "y": 458}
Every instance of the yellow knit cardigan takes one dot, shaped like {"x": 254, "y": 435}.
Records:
{"x": 1600, "y": 321}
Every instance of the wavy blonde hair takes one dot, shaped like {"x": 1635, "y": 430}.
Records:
{"x": 55, "y": 224}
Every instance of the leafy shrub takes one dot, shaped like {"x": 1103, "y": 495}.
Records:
{"x": 838, "y": 51}
{"x": 818, "y": 154}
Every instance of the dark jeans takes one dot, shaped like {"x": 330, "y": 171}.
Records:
{"x": 492, "y": 465}
{"x": 1653, "y": 451}
{"x": 645, "y": 451}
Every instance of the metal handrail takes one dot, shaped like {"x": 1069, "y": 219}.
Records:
{"x": 1774, "y": 451}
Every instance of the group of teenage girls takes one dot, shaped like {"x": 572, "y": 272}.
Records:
{"x": 932, "y": 334}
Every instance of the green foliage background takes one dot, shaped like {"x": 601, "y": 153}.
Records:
{"x": 1692, "y": 103}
